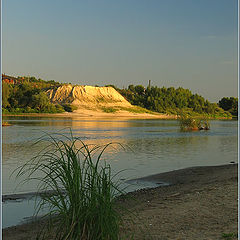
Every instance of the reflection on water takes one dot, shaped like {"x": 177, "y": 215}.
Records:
{"x": 151, "y": 146}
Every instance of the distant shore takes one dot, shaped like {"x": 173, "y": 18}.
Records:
{"x": 200, "y": 203}
{"x": 97, "y": 114}
{"x": 5, "y": 124}
{"x": 84, "y": 113}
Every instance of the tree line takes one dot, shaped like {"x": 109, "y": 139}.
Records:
{"x": 30, "y": 96}
{"x": 173, "y": 101}
{"x": 229, "y": 104}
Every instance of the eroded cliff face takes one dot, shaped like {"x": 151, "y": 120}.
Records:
{"x": 87, "y": 96}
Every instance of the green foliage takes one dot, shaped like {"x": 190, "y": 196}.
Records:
{"x": 40, "y": 101}
{"x": 28, "y": 96}
{"x": 111, "y": 85}
{"x": 170, "y": 100}
{"x": 6, "y": 90}
{"x": 21, "y": 95}
{"x": 109, "y": 109}
{"x": 189, "y": 123}
{"x": 25, "y": 95}
{"x": 135, "y": 109}
{"x": 5, "y": 111}
{"x": 59, "y": 108}
{"x": 38, "y": 83}
{"x": 229, "y": 236}
{"x": 77, "y": 190}
{"x": 69, "y": 107}
{"x": 229, "y": 104}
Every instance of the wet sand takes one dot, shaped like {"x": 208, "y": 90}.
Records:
{"x": 200, "y": 203}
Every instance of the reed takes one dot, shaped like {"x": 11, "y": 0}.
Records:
{"x": 190, "y": 123}
{"x": 82, "y": 205}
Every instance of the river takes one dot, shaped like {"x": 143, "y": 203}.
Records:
{"x": 150, "y": 146}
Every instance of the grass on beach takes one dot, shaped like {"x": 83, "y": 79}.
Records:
{"x": 134, "y": 109}
{"x": 229, "y": 236}
{"x": 82, "y": 206}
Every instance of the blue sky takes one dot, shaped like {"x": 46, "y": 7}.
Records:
{"x": 187, "y": 43}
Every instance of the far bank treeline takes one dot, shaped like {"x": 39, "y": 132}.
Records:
{"x": 177, "y": 101}
{"x": 28, "y": 95}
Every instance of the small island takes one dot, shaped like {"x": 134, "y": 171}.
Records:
{"x": 6, "y": 124}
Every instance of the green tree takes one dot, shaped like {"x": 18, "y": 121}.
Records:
{"x": 131, "y": 88}
{"x": 225, "y": 103}
{"x": 6, "y": 90}
{"x": 139, "y": 89}
{"x": 40, "y": 101}
{"x": 229, "y": 104}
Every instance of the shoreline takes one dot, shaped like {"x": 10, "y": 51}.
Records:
{"x": 170, "y": 178}
{"x": 84, "y": 113}
{"x": 94, "y": 114}
{"x": 199, "y": 200}
{"x": 188, "y": 175}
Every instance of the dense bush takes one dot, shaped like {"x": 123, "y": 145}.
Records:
{"x": 189, "y": 123}
{"x": 69, "y": 107}
{"x": 229, "y": 104}
{"x": 169, "y": 100}
{"x": 28, "y": 96}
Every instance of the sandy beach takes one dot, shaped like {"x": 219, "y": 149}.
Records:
{"x": 84, "y": 113}
{"x": 200, "y": 203}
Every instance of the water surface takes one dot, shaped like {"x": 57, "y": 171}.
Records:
{"x": 152, "y": 146}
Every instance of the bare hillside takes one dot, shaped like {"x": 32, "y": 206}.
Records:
{"x": 88, "y": 96}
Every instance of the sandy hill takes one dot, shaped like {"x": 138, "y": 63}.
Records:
{"x": 88, "y": 97}
{"x": 99, "y": 102}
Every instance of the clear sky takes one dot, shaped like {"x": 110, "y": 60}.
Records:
{"x": 187, "y": 43}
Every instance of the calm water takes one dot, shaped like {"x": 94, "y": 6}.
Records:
{"x": 156, "y": 145}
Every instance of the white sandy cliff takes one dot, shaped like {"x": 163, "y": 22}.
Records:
{"x": 88, "y": 96}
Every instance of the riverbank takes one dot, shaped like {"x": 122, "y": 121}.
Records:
{"x": 100, "y": 114}
{"x": 200, "y": 203}
{"x": 97, "y": 114}
{"x": 5, "y": 124}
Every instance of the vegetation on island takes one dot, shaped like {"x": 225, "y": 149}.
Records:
{"x": 188, "y": 123}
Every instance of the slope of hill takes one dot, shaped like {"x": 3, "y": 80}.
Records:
{"x": 88, "y": 96}
{"x": 95, "y": 101}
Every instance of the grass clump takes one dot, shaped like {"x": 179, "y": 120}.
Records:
{"x": 136, "y": 109}
{"x": 189, "y": 123}
{"x": 81, "y": 204}
{"x": 229, "y": 236}
{"x": 109, "y": 110}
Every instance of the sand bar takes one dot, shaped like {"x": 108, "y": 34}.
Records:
{"x": 200, "y": 203}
